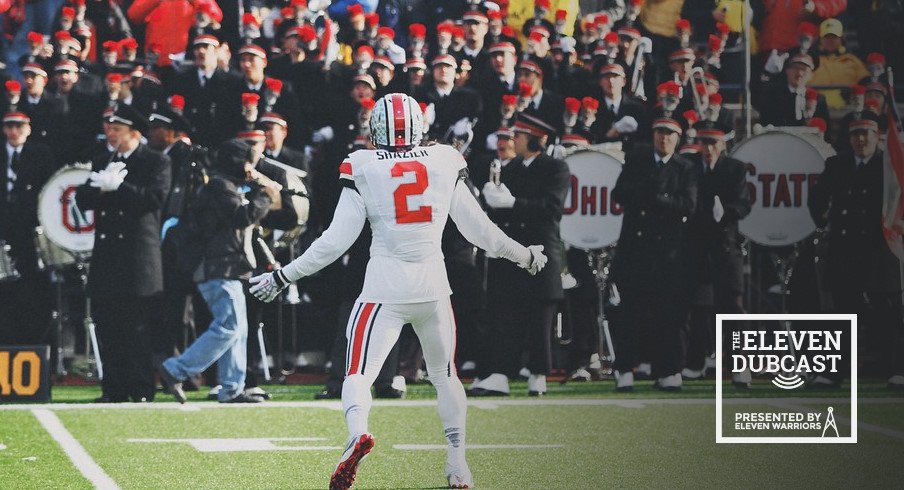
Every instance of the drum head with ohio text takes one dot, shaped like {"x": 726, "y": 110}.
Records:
{"x": 591, "y": 220}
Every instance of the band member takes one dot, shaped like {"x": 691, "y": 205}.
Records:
{"x": 126, "y": 193}
{"x": 27, "y": 165}
{"x": 658, "y": 190}
{"x": 862, "y": 273}
{"x": 528, "y": 206}
{"x": 722, "y": 200}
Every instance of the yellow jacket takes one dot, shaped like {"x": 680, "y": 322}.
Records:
{"x": 659, "y": 16}
{"x": 838, "y": 69}
{"x": 521, "y": 11}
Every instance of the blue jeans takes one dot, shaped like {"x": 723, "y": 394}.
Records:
{"x": 224, "y": 342}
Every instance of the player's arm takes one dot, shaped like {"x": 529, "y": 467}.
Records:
{"x": 348, "y": 221}
{"x": 477, "y": 228}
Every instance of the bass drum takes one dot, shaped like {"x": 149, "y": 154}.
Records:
{"x": 591, "y": 220}
{"x": 66, "y": 232}
{"x": 783, "y": 164}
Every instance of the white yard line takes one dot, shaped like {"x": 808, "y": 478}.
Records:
{"x": 797, "y": 405}
{"x": 476, "y": 403}
{"x": 77, "y": 454}
{"x": 436, "y": 447}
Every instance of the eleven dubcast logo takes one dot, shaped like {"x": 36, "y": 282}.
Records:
{"x": 791, "y": 355}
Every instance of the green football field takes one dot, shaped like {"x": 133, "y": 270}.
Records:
{"x": 583, "y": 435}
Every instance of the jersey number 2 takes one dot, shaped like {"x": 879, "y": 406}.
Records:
{"x": 403, "y": 214}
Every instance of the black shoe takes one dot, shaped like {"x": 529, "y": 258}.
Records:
{"x": 671, "y": 389}
{"x": 624, "y": 389}
{"x": 740, "y": 385}
{"x": 536, "y": 393}
{"x": 481, "y": 392}
{"x": 243, "y": 398}
{"x": 328, "y": 393}
{"x": 388, "y": 392}
{"x": 171, "y": 384}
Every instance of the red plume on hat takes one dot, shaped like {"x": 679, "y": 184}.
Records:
{"x": 457, "y": 31}
{"x": 250, "y": 99}
{"x": 507, "y": 31}
{"x": 249, "y": 19}
{"x": 368, "y": 103}
{"x": 819, "y": 123}
{"x": 35, "y": 37}
{"x": 423, "y": 106}
{"x": 386, "y": 31}
{"x": 355, "y": 10}
{"x": 306, "y": 33}
{"x": 13, "y": 86}
{"x": 543, "y": 4}
{"x": 812, "y": 94}
{"x": 670, "y": 87}
{"x": 611, "y": 38}
{"x": 110, "y": 46}
{"x": 722, "y": 28}
{"x": 62, "y": 35}
{"x": 561, "y": 14}
{"x": 177, "y": 103}
{"x": 601, "y": 19}
{"x": 683, "y": 25}
{"x": 714, "y": 43}
{"x": 372, "y": 19}
{"x": 525, "y": 90}
{"x": 590, "y": 104}
{"x": 715, "y": 99}
{"x": 858, "y": 89}
{"x": 875, "y": 59}
{"x": 287, "y": 12}
{"x": 68, "y": 13}
{"x": 129, "y": 43}
{"x": 700, "y": 88}
{"x": 274, "y": 85}
{"x": 572, "y": 105}
{"x": 690, "y": 116}
{"x": 807, "y": 29}
{"x": 114, "y": 77}
{"x": 536, "y": 36}
{"x": 417, "y": 31}
{"x": 509, "y": 99}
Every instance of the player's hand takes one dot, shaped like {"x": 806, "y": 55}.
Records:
{"x": 266, "y": 287}
{"x": 537, "y": 260}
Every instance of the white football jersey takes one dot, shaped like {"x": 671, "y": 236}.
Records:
{"x": 407, "y": 197}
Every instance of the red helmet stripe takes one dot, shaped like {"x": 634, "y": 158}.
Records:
{"x": 399, "y": 120}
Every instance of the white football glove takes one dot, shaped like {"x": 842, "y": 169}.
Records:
{"x": 718, "y": 210}
{"x": 498, "y": 197}
{"x": 775, "y": 62}
{"x": 626, "y": 124}
{"x": 322, "y": 135}
{"x": 268, "y": 286}
{"x": 536, "y": 261}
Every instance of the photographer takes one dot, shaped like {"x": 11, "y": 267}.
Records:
{"x": 234, "y": 202}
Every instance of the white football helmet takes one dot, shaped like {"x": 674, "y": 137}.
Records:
{"x": 397, "y": 122}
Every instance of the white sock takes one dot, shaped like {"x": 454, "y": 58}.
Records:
{"x": 356, "y": 402}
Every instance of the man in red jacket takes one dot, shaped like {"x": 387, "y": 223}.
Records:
{"x": 168, "y": 22}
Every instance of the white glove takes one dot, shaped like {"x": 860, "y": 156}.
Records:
{"x": 718, "y": 210}
{"x": 430, "y": 114}
{"x": 268, "y": 286}
{"x": 775, "y": 62}
{"x": 115, "y": 167}
{"x": 498, "y": 197}
{"x": 323, "y": 135}
{"x": 626, "y": 124}
{"x": 108, "y": 180}
{"x": 492, "y": 141}
{"x": 536, "y": 261}
{"x": 396, "y": 54}
{"x": 461, "y": 127}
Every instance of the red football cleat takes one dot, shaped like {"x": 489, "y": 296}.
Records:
{"x": 357, "y": 449}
